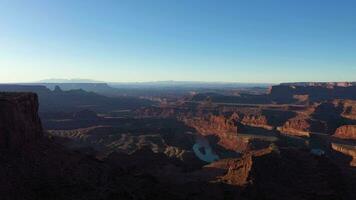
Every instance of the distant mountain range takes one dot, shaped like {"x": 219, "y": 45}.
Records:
{"x": 154, "y": 84}
{"x": 59, "y": 80}
{"x": 191, "y": 84}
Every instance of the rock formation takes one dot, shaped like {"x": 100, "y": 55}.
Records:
{"x": 346, "y": 132}
{"x": 224, "y": 127}
{"x": 235, "y": 171}
{"x": 298, "y": 126}
{"x": 42, "y": 168}
{"x": 75, "y": 100}
{"x": 19, "y": 121}
{"x": 231, "y": 171}
{"x": 287, "y": 92}
{"x": 347, "y": 150}
{"x": 279, "y": 174}
{"x": 256, "y": 121}
{"x": 348, "y": 108}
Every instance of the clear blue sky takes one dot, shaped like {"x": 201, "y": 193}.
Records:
{"x": 195, "y": 40}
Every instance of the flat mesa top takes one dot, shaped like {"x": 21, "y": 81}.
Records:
{"x": 12, "y": 95}
{"x": 340, "y": 84}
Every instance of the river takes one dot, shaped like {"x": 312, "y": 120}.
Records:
{"x": 203, "y": 150}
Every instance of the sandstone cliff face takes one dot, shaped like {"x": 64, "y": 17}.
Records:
{"x": 256, "y": 121}
{"x": 298, "y": 126}
{"x": 19, "y": 121}
{"x": 235, "y": 171}
{"x": 347, "y": 150}
{"x": 348, "y": 108}
{"x": 278, "y": 174}
{"x": 224, "y": 127}
{"x": 231, "y": 171}
{"x": 286, "y": 93}
{"x": 212, "y": 124}
{"x": 346, "y": 132}
{"x": 303, "y": 125}
{"x": 301, "y": 98}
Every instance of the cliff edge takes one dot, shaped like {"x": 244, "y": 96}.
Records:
{"x": 19, "y": 120}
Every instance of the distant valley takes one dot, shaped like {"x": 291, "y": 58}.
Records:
{"x": 222, "y": 141}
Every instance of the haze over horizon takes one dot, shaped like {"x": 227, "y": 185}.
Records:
{"x": 212, "y": 41}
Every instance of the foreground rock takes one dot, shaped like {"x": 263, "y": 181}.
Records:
{"x": 19, "y": 121}
{"x": 280, "y": 174}
{"x": 38, "y": 168}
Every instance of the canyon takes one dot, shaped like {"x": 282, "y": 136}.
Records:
{"x": 294, "y": 141}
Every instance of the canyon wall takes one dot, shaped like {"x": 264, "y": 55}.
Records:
{"x": 19, "y": 121}
{"x": 346, "y": 132}
{"x": 348, "y": 108}
{"x": 347, "y": 150}
{"x": 258, "y": 120}
{"x": 298, "y": 126}
{"x": 224, "y": 127}
{"x": 289, "y": 93}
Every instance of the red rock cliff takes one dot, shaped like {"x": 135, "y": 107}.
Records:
{"x": 348, "y": 108}
{"x": 224, "y": 127}
{"x": 298, "y": 126}
{"x": 346, "y": 132}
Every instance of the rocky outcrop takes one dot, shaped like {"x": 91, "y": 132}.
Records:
{"x": 224, "y": 127}
{"x": 19, "y": 121}
{"x": 348, "y": 108}
{"x": 298, "y": 126}
{"x": 235, "y": 171}
{"x": 231, "y": 171}
{"x": 296, "y": 174}
{"x": 256, "y": 121}
{"x": 347, "y": 150}
{"x": 303, "y": 125}
{"x": 322, "y": 117}
{"x": 278, "y": 174}
{"x": 346, "y": 132}
{"x": 212, "y": 124}
{"x": 300, "y": 98}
